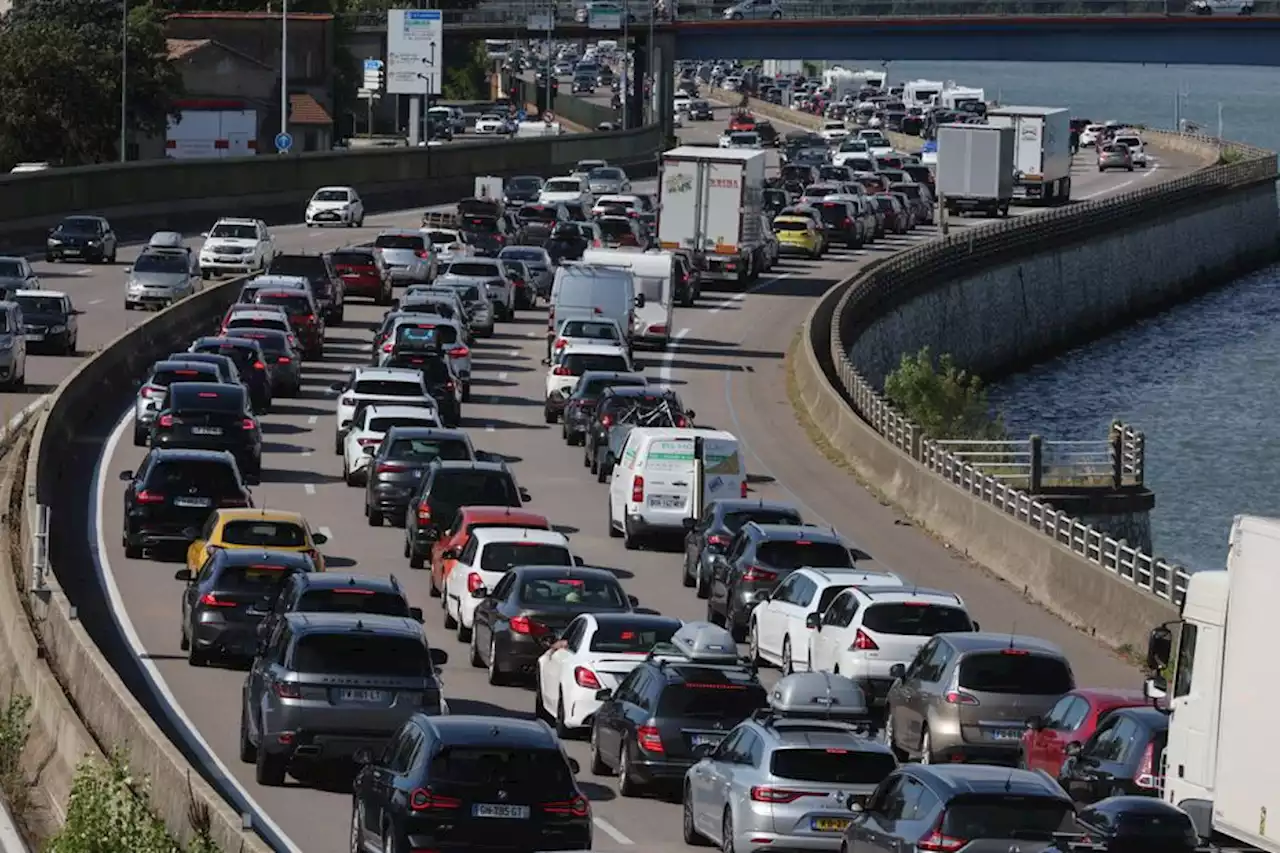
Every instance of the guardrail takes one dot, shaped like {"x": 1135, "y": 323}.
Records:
{"x": 1039, "y": 464}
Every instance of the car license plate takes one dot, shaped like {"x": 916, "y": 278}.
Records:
{"x": 830, "y": 824}
{"x": 205, "y": 430}
{"x": 363, "y": 696}
{"x": 707, "y": 740}
{"x": 500, "y": 811}
{"x": 192, "y": 502}
{"x": 34, "y": 338}
{"x": 1005, "y": 734}
{"x": 71, "y": 252}
{"x": 666, "y": 502}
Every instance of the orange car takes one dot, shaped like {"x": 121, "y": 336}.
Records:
{"x": 455, "y": 537}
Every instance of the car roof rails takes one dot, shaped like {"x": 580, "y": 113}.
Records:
{"x": 804, "y": 698}
{"x": 699, "y": 643}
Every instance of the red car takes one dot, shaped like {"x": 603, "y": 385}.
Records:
{"x": 304, "y": 316}
{"x": 742, "y": 123}
{"x": 1072, "y": 720}
{"x": 363, "y": 273}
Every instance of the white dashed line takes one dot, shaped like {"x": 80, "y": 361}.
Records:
{"x": 664, "y": 371}
{"x": 611, "y": 831}
{"x": 530, "y": 334}
{"x": 514, "y": 353}
{"x": 738, "y": 297}
{"x": 95, "y": 301}
{"x": 502, "y": 377}
{"x": 489, "y": 428}
{"x": 307, "y": 453}
{"x": 309, "y": 489}
{"x": 83, "y": 271}
{"x": 312, "y": 419}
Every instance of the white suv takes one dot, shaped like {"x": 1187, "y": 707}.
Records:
{"x": 1137, "y": 151}
{"x": 865, "y": 631}
{"x": 387, "y": 385}
{"x": 236, "y": 246}
{"x": 779, "y": 633}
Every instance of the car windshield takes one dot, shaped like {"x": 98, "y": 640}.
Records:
{"x": 40, "y": 304}
{"x": 266, "y": 534}
{"x": 364, "y": 653}
{"x": 413, "y": 242}
{"x": 833, "y": 766}
{"x": 352, "y": 598}
{"x": 524, "y": 184}
{"x": 78, "y": 225}
{"x": 489, "y": 768}
{"x": 704, "y": 695}
{"x": 387, "y": 388}
{"x": 384, "y": 425}
{"x": 163, "y": 262}
{"x": 331, "y": 195}
{"x": 794, "y": 554}
{"x": 478, "y": 488}
{"x": 263, "y": 579}
{"x": 562, "y": 185}
{"x": 915, "y": 619}
{"x": 501, "y": 556}
{"x": 442, "y": 238}
{"x": 607, "y": 174}
{"x": 474, "y": 269}
{"x": 234, "y": 232}
{"x": 422, "y": 450}
{"x": 629, "y": 639}
{"x": 579, "y": 363}
{"x": 353, "y": 259}
{"x": 205, "y": 476}
{"x": 1015, "y": 671}
{"x": 569, "y": 591}
{"x": 294, "y": 303}
{"x": 1006, "y": 816}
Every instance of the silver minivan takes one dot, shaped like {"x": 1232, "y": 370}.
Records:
{"x": 13, "y": 346}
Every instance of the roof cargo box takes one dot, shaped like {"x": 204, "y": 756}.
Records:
{"x": 702, "y": 642}
{"x": 818, "y": 694}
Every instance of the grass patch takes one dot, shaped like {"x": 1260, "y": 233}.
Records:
{"x": 1229, "y": 155}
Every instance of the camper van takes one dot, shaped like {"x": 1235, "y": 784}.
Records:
{"x": 655, "y": 280}
{"x": 594, "y": 291}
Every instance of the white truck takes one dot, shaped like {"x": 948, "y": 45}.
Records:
{"x": 212, "y": 133}
{"x": 1042, "y": 159}
{"x": 1221, "y": 764}
{"x": 975, "y": 168}
{"x": 710, "y": 201}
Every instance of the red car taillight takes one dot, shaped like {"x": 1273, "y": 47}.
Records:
{"x": 649, "y": 739}
{"x": 756, "y": 573}
{"x": 209, "y": 599}
{"x": 637, "y": 489}
{"x": 586, "y": 678}
{"x": 577, "y": 807}
{"x": 527, "y": 626}
{"x": 474, "y": 582}
{"x": 145, "y": 497}
{"x": 425, "y": 800}
{"x": 862, "y": 643}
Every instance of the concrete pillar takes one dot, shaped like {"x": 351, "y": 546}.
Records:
{"x": 634, "y": 99}
{"x": 665, "y": 82}
{"x": 415, "y": 120}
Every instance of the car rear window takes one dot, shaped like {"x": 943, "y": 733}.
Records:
{"x": 1007, "y": 816}
{"x": 833, "y": 211}
{"x": 480, "y": 224}
{"x": 915, "y": 619}
{"x": 293, "y": 303}
{"x": 352, "y": 599}
{"x": 735, "y": 520}
{"x": 534, "y": 212}
{"x": 568, "y": 591}
{"x": 885, "y": 204}
{"x": 428, "y": 306}
{"x": 472, "y": 269}
{"x": 227, "y": 398}
{"x": 790, "y": 227}
{"x": 427, "y": 449}
{"x": 243, "y": 322}
{"x": 580, "y": 363}
{"x": 261, "y": 578}
{"x": 711, "y": 698}
{"x": 271, "y": 341}
{"x": 588, "y": 329}
{"x": 615, "y": 227}
{"x": 478, "y": 488}
{"x": 267, "y": 534}
{"x": 492, "y": 767}
{"x": 1015, "y": 671}
{"x": 165, "y": 378}
{"x": 1154, "y": 828}
{"x": 353, "y": 259}
{"x": 425, "y": 334}
{"x": 385, "y": 424}
{"x": 388, "y": 388}
{"x": 333, "y": 654}
{"x": 311, "y": 267}
{"x": 834, "y": 766}
{"x": 596, "y": 387}
{"x": 501, "y": 556}
{"x": 206, "y": 476}
{"x": 624, "y": 639}
{"x": 911, "y": 191}
{"x": 788, "y": 554}
{"x": 400, "y": 241}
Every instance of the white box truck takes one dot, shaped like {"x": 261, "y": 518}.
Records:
{"x": 1042, "y": 158}
{"x": 975, "y": 168}
{"x": 710, "y": 201}
{"x": 1222, "y": 761}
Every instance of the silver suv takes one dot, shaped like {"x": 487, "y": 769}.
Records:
{"x": 324, "y": 685}
{"x": 967, "y": 696}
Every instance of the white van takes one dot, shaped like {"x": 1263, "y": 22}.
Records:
{"x": 655, "y": 280}
{"x": 652, "y": 490}
{"x": 13, "y": 346}
{"x": 594, "y": 291}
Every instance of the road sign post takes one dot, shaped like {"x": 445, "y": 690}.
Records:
{"x": 283, "y": 143}
{"x": 374, "y": 73}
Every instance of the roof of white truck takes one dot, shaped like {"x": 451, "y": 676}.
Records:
{"x": 703, "y": 152}
{"x": 1025, "y": 111}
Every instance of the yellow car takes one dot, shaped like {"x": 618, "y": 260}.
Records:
{"x": 255, "y": 528}
{"x": 797, "y": 235}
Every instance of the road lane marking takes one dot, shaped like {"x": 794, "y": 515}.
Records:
{"x": 489, "y": 428}
{"x": 515, "y": 353}
{"x": 611, "y": 831}
{"x": 738, "y": 297}
{"x": 307, "y": 453}
{"x": 309, "y": 488}
{"x": 83, "y": 271}
{"x": 1111, "y": 190}
{"x": 312, "y": 419}
{"x": 664, "y": 371}
{"x": 204, "y": 753}
{"x": 502, "y": 377}
{"x": 530, "y": 334}
{"x": 95, "y": 301}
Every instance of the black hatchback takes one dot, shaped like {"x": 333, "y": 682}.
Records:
{"x": 580, "y": 408}
{"x": 250, "y": 360}
{"x": 449, "y": 486}
{"x": 173, "y": 491}
{"x": 438, "y": 375}
{"x": 710, "y": 534}
{"x": 205, "y": 416}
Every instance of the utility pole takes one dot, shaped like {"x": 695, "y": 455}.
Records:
{"x": 284, "y": 67}
{"x": 551, "y": 15}
{"x": 124, "y": 79}
{"x": 626, "y": 56}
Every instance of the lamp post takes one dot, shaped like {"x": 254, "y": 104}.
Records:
{"x": 284, "y": 66}
{"x": 124, "y": 78}
{"x": 429, "y": 62}
{"x": 626, "y": 56}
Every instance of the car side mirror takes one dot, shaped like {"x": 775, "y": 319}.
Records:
{"x": 128, "y": 270}
{"x": 480, "y": 592}
{"x": 604, "y": 694}
{"x": 640, "y": 300}
{"x": 204, "y": 234}
{"x": 1073, "y": 749}
{"x": 690, "y": 414}
{"x": 689, "y": 523}
{"x": 853, "y": 805}
{"x": 126, "y": 476}
{"x": 319, "y": 538}
{"x": 579, "y": 561}
{"x": 638, "y": 368}
{"x": 546, "y": 362}
{"x": 525, "y": 496}
{"x": 183, "y": 575}
{"x": 703, "y": 750}
{"x": 439, "y": 657}
{"x": 635, "y": 602}
{"x": 190, "y": 533}
{"x": 897, "y": 670}
{"x": 395, "y": 305}
{"x": 416, "y": 614}
{"x": 1035, "y": 722}
{"x": 813, "y": 621}
{"x": 362, "y": 756}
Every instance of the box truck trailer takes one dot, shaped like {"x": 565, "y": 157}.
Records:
{"x": 1042, "y": 150}
{"x": 975, "y": 168}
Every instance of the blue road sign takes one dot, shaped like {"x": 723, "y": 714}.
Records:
{"x": 372, "y": 65}
{"x": 283, "y": 142}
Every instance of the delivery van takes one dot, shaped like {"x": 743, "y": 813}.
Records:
{"x": 655, "y": 280}
{"x": 665, "y": 475}
{"x": 594, "y": 291}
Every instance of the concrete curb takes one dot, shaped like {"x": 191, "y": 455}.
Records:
{"x": 10, "y": 839}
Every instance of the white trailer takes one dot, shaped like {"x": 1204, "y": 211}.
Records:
{"x": 212, "y": 133}
{"x": 975, "y": 168}
{"x": 710, "y": 201}
{"x": 1042, "y": 157}
{"x": 1222, "y": 763}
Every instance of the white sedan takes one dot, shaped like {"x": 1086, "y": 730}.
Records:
{"x": 486, "y": 557}
{"x": 370, "y": 427}
{"x": 595, "y": 653}
{"x": 492, "y": 124}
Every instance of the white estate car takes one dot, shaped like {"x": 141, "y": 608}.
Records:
{"x": 566, "y": 190}
{"x": 876, "y": 141}
{"x": 486, "y": 557}
{"x": 833, "y": 131}
{"x": 779, "y": 632}
{"x": 236, "y": 246}
{"x": 491, "y": 123}
{"x": 574, "y": 359}
{"x": 596, "y": 652}
{"x": 371, "y": 426}
{"x": 1137, "y": 150}
{"x": 376, "y": 385}
{"x": 448, "y": 244}
{"x": 335, "y": 206}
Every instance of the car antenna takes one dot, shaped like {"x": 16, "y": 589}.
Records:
{"x": 1013, "y": 630}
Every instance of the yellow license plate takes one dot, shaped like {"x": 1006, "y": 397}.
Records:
{"x": 830, "y": 824}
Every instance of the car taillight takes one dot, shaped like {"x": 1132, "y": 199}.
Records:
{"x": 387, "y": 346}
{"x": 637, "y": 489}
{"x": 389, "y": 468}
{"x": 562, "y": 371}
{"x": 959, "y": 697}
{"x": 293, "y": 343}
{"x": 209, "y": 599}
{"x": 742, "y": 490}
{"x": 756, "y": 573}
{"x": 525, "y": 625}
{"x": 425, "y": 800}
{"x": 863, "y": 643}
{"x": 765, "y": 794}
{"x": 165, "y": 421}
{"x": 248, "y": 423}
{"x": 595, "y": 244}
{"x": 578, "y": 807}
{"x": 145, "y": 497}
{"x": 586, "y": 678}
{"x": 649, "y": 739}
{"x": 368, "y": 442}
{"x": 936, "y": 842}
{"x": 284, "y": 359}
{"x": 422, "y": 253}
{"x": 257, "y": 365}
{"x": 1145, "y": 777}
{"x": 560, "y": 343}
{"x": 304, "y": 319}
{"x": 717, "y": 539}
{"x": 459, "y": 352}
{"x": 474, "y": 582}
{"x": 151, "y": 392}
{"x": 424, "y": 512}
{"x": 286, "y": 690}
{"x": 449, "y": 386}
{"x": 606, "y": 420}
{"x": 846, "y": 223}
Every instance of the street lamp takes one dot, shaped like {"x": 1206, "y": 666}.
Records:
{"x": 284, "y": 67}
{"x": 124, "y": 77}
{"x": 626, "y": 55}
{"x": 430, "y": 62}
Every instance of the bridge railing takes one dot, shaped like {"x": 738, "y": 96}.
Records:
{"x": 1038, "y": 464}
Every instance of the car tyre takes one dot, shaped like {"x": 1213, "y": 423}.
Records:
{"x": 374, "y": 517}
{"x": 630, "y": 541}
{"x": 196, "y": 656}
{"x": 450, "y": 624}
{"x": 474, "y": 657}
{"x": 726, "y": 832}
{"x": 562, "y": 730}
{"x": 753, "y": 644}
{"x": 270, "y": 769}
{"x": 702, "y": 586}
{"x": 889, "y": 736}
{"x": 141, "y": 437}
{"x": 627, "y": 787}
{"x": 462, "y": 632}
{"x": 416, "y": 561}
{"x": 248, "y": 752}
{"x": 691, "y": 835}
{"x": 686, "y": 577}
{"x": 337, "y": 444}
{"x": 788, "y": 665}
{"x": 926, "y": 747}
{"x": 132, "y": 551}
{"x": 496, "y": 676}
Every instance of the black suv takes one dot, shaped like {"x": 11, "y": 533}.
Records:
{"x": 397, "y": 468}
{"x": 173, "y": 491}
{"x": 438, "y": 375}
{"x": 580, "y": 408}
{"x": 208, "y": 416}
{"x": 326, "y": 285}
{"x": 487, "y": 234}
{"x": 759, "y": 558}
{"x": 229, "y": 596}
{"x": 250, "y": 360}
{"x": 446, "y": 487}
{"x": 711, "y": 534}
{"x": 332, "y": 592}
{"x": 440, "y": 782}
{"x": 961, "y": 807}
{"x": 629, "y": 405}
{"x": 840, "y": 222}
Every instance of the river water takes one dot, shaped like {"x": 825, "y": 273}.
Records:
{"x": 1200, "y": 379}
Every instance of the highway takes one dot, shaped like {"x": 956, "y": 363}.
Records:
{"x": 727, "y": 364}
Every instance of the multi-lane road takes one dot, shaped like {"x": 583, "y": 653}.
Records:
{"x": 727, "y": 363}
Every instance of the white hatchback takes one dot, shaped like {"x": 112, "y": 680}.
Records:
{"x": 335, "y": 206}
{"x": 375, "y": 385}
{"x": 576, "y": 358}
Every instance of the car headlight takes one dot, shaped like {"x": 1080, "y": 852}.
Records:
{"x": 54, "y": 241}
{"x": 57, "y": 330}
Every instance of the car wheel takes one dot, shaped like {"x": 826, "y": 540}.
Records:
{"x": 702, "y": 586}
{"x": 691, "y": 835}
{"x": 562, "y": 730}
{"x": 686, "y": 576}
{"x": 627, "y": 786}
{"x": 474, "y": 657}
{"x": 337, "y": 444}
{"x": 926, "y": 747}
{"x": 416, "y": 561}
{"x": 466, "y": 392}
{"x": 196, "y": 657}
{"x": 753, "y": 644}
{"x": 496, "y": 676}
{"x": 726, "y": 832}
{"x": 140, "y": 437}
{"x": 248, "y": 752}
{"x": 270, "y": 769}
{"x": 549, "y": 416}
{"x": 597, "y": 765}
{"x": 449, "y": 622}
{"x": 614, "y": 533}
{"x": 374, "y": 517}
{"x": 630, "y": 540}
{"x": 132, "y": 551}
{"x": 889, "y": 736}
{"x": 463, "y": 633}
{"x": 713, "y": 617}
{"x": 788, "y": 666}
{"x": 604, "y": 468}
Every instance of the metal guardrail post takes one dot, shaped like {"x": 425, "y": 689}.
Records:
{"x": 1117, "y": 456}
{"x": 1035, "y": 445}
{"x": 40, "y": 550}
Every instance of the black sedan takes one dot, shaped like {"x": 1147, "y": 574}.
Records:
{"x": 711, "y": 534}
{"x": 87, "y": 238}
{"x": 530, "y": 607}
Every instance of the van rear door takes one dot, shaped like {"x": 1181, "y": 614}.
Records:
{"x": 724, "y": 477}
{"x": 668, "y": 481}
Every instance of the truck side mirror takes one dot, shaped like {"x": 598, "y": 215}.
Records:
{"x": 1159, "y": 648}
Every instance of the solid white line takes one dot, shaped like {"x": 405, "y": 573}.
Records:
{"x": 312, "y": 419}
{"x": 307, "y": 453}
{"x": 309, "y": 488}
{"x": 489, "y": 429}
{"x": 514, "y": 353}
{"x": 611, "y": 830}
{"x": 738, "y": 297}
{"x": 664, "y": 371}
{"x": 10, "y": 839}
{"x": 502, "y": 377}
{"x": 120, "y": 612}
{"x": 1111, "y": 190}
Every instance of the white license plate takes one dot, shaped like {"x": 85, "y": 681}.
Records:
{"x": 363, "y": 696}
{"x": 229, "y": 260}
{"x": 35, "y": 338}
{"x": 666, "y": 502}
{"x": 708, "y": 740}
{"x": 206, "y": 430}
{"x": 70, "y": 252}
{"x": 1004, "y": 734}
{"x": 500, "y": 811}
{"x": 192, "y": 502}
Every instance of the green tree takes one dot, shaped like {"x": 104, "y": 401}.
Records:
{"x": 944, "y": 400}
{"x": 60, "y": 79}
{"x": 467, "y": 80}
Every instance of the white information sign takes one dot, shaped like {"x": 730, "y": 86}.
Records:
{"x": 415, "y": 51}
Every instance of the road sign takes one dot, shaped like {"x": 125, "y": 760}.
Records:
{"x": 283, "y": 142}
{"x": 373, "y": 69}
{"x": 415, "y": 51}
{"x": 604, "y": 16}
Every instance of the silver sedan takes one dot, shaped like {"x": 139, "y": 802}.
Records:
{"x": 608, "y": 180}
